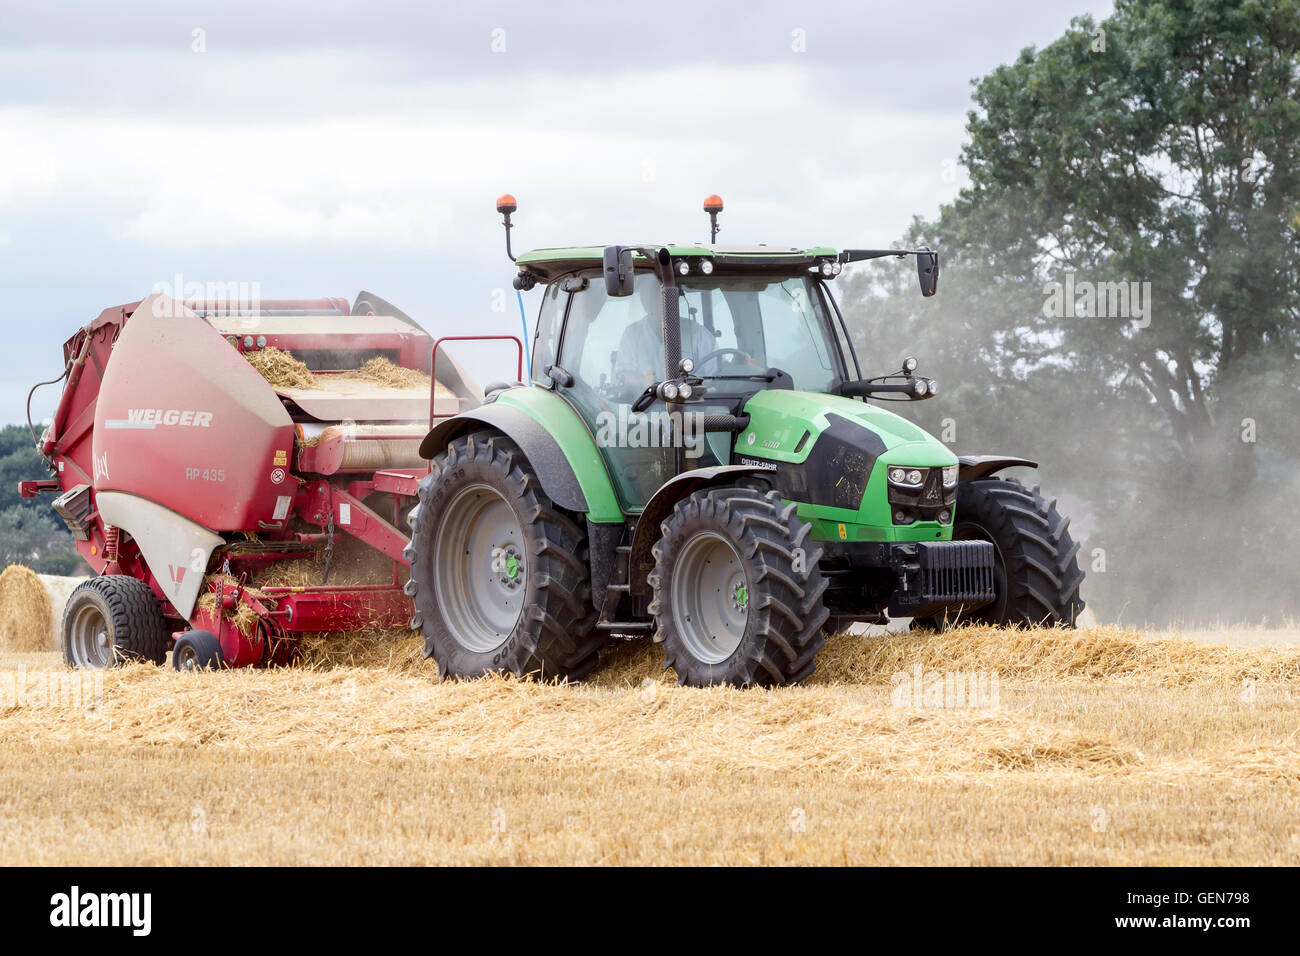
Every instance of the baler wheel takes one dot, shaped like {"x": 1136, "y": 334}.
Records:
{"x": 499, "y": 574}
{"x": 197, "y": 651}
{"x": 110, "y": 620}
{"x": 738, "y": 593}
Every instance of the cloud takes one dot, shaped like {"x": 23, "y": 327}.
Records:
{"x": 318, "y": 150}
{"x": 406, "y": 175}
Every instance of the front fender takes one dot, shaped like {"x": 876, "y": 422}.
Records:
{"x": 974, "y": 467}
{"x": 661, "y": 505}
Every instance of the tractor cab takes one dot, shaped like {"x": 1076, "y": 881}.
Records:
{"x": 748, "y": 319}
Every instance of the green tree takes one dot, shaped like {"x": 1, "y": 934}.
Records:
{"x": 1159, "y": 146}
{"x": 30, "y": 532}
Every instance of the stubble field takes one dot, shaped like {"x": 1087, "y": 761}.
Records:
{"x": 1098, "y": 746}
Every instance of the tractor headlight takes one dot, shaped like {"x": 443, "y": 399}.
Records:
{"x": 669, "y": 391}
{"x": 920, "y": 389}
{"x": 949, "y": 475}
{"x": 706, "y": 266}
{"x": 906, "y": 476}
{"x": 684, "y": 390}
{"x": 683, "y": 267}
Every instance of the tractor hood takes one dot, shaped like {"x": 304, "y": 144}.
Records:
{"x": 779, "y": 418}
{"x": 831, "y": 453}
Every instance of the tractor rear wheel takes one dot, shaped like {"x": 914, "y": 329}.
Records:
{"x": 737, "y": 590}
{"x": 499, "y": 574}
{"x": 1036, "y": 570}
{"x": 110, "y": 620}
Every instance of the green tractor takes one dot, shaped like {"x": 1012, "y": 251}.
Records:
{"x": 698, "y": 459}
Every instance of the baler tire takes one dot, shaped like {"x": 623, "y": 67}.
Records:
{"x": 553, "y": 636}
{"x": 127, "y": 611}
{"x": 198, "y": 651}
{"x": 1037, "y": 574}
{"x": 744, "y": 529}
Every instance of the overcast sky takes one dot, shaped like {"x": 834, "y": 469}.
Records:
{"x": 318, "y": 148}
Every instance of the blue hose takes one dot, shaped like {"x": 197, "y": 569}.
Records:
{"x": 523, "y": 320}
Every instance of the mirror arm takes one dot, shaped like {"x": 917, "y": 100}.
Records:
{"x": 927, "y": 263}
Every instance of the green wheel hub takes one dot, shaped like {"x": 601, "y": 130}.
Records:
{"x": 740, "y": 598}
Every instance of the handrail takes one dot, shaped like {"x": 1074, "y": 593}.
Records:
{"x": 433, "y": 365}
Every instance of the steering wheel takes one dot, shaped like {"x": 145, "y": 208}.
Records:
{"x": 719, "y": 353}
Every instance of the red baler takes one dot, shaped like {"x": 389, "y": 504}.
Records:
{"x": 180, "y": 469}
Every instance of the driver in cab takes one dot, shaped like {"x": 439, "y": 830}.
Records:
{"x": 641, "y": 349}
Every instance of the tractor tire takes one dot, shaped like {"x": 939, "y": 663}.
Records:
{"x": 499, "y": 574}
{"x": 1036, "y": 570}
{"x": 110, "y": 620}
{"x": 737, "y": 590}
{"x": 198, "y": 651}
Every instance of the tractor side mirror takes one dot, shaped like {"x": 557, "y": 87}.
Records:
{"x": 619, "y": 277}
{"x": 927, "y": 269}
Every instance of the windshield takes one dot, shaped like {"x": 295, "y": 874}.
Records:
{"x": 739, "y": 327}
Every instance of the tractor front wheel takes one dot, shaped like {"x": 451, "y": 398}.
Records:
{"x": 499, "y": 574}
{"x": 737, "y": 590}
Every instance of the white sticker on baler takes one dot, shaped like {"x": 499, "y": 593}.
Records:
{"x": 282, "y": 508}
{"x": 345, "y": 513}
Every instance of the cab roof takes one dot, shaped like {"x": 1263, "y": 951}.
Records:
{"x": 548, "y": 264}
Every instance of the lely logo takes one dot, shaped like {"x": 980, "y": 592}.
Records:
{"x": 107, "y": 910}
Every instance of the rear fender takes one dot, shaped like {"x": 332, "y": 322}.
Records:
{"x": 538, "y": 445}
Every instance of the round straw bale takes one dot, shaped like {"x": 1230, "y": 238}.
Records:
{"x": 26, "y": 611}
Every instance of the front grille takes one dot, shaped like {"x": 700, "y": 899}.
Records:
{"x": 929, "y": 501}
{"x": 944, "y": 575}
{"x": 958, "y": 571}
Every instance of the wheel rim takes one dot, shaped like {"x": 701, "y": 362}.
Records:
{"x": 711, "y": 598}
{"x": 996, "y": 611}
{"x": 480, "y": 568}
{"x": 90, "y": 639}
{"x": 189, "y": 658}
